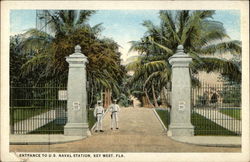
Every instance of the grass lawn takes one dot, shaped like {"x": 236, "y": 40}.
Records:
{"x": 234, "y": 113}
{"x": 165, "y": 117}
{"x": 55, "y": 128}
{"x": 50, "y": 128}
{"x": 91, "y": 118}
{"x": 202, "y": 125}
{"x": 21, "y": 113}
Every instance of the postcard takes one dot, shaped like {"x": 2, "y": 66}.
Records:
{"x": 124, "y": 81}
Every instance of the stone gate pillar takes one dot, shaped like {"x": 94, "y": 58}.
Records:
{"x": 180, "y": 116}
{"x": 77, "y": 123}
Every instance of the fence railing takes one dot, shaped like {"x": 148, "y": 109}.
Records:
{"x": 216, "y": 109}
{"x": 39, "y": 109}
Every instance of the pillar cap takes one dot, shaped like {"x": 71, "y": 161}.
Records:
{"x": 180, "y": 50}
{"x": 78, "y": 52}
{"x": 77, "y": 56}
{"x": 180, "y": 56}
{"x": 78, "y": 49}
{"x": 180, "y": 53}
{"x": 180, "y": 47}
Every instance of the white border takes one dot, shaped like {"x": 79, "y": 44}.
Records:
{"x": 138, "y": 5}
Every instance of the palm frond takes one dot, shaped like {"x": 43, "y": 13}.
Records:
{"x": 97, "y": 28}
{"x": 204, "y": 14}
{"x": 35, "y": 62}
{"x": 168, "y": 50}
{"x": 212, "y": 36}
{"x": 154, "y": 66}
{"x": 151, "y": 28}
{"x": 166, "y": 16}
{"x": 232, "y": 46}
{"x": 84, "y": 16}
{"x": 183, "y": 17}
{"x": 134, "y": 65}
{"x": 212, "y": 25}
{"x": 221, "y": 65}
{"x": 137, "y": 46}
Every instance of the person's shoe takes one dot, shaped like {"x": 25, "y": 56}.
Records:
{"x": 101, "y": 131}
{"x": 117, "y": 128}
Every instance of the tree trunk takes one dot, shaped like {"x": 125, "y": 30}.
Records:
{"x": 91, "y": 96}
{"x": 107, "y": 98}
{"x": 145, "y": 91}
{"x": 167, "y": 95}
{"x": 163, "y": 97}
{"x": 154, "y": 97}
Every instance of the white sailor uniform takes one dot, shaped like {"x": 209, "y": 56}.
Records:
{"x": 114, "y": 109}
{"x": 98, "y": 113}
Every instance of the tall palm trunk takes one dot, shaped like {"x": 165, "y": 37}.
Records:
{"x": 145, "y": 91}
{"x": 107, "y": 98}
{"x": 163, "y": 97}
{"x": 154, "y": 96}
{"x": 167, "y": 96}
{"x": 92, "y": 95}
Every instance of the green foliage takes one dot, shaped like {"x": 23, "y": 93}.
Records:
{"x": 47, "y": 52}
{"x": 50, "y": 128}
{"x": 234, "y": 113}
{"x": 202, "y": 38}
{"x": 202, "y": 100}
{"x": 202, "y": 125}
{"x": 20, "y": 113}
{"x": 91, "y": 118}
{"x": 227, "y": 68}
{"x": 136, "y": 88}
{"x": 56, "y": 128}
{"x": 124, "y": 100}
{"x": 165, "y": 117}
{"x": 17, "y": 58}
{"x": 231, "y": 94}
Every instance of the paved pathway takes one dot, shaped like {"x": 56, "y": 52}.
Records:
{"x": 136, "y": 102}
{"x": 30, "y": 124}
{"x": 221, "y": 119}
{"x": 140, "y": 131}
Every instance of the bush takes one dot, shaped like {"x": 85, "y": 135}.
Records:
{"x": 124, "y": 100}
{"x": 202, "y": 100}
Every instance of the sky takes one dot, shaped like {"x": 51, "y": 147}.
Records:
{"x": 123, "y": 25}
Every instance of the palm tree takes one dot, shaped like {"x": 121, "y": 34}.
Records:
{"x": 69, "y": 28}
{"x": 150, "y": 72}
{"x": 50, "y": 48}
{"x": 197, "y": 32}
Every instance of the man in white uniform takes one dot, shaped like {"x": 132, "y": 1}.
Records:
{"x": 114, "y": 109}
{"x": 98, "y": 113}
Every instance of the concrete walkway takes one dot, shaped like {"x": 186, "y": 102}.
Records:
{"x": 136, "y": 102}
{"x": 30, "y": 124}
{"x": 216, "y": 141}
{"x": 140, "y": 131}
{"x": 42, "y": 139}
{"x": 221, "y": 119}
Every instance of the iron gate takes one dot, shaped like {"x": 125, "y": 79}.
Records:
{"x": 39, "y": 109}
{"x": 216, "y": 109}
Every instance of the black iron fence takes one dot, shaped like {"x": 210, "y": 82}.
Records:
{"x": 216, "y": 109}
{"x": 39, "y": 109}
